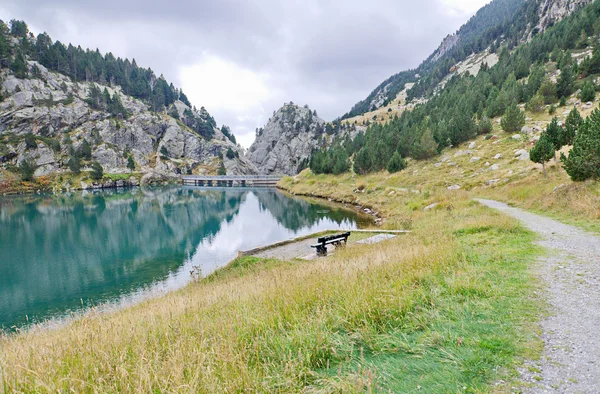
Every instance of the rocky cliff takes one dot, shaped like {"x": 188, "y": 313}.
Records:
{"x": 287, "y": 140}
{"x": 552, "y": 11}
{"x": 45, "y": 117}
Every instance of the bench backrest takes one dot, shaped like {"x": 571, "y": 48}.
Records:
{"x": 333, "y": 237}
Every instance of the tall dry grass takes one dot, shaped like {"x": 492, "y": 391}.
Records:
{"x": 324, "y": 326}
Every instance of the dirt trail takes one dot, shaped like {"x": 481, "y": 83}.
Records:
{"x": 570, "y": 361}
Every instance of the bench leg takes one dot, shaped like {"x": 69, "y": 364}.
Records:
{"x": 321, "y": 250}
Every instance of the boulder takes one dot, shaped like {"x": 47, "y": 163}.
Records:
{"x": 498, "y": 156}
{"x": 454, "y": 187}
{"x": 430, "y": 207}
{"x": 474, "y": 159}
{"x": 522, "y": 155}
{"x": 472, "y": 145}
{"x": 517, "y": 137}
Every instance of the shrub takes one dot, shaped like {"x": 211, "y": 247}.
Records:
{"x": 30, "y": 142}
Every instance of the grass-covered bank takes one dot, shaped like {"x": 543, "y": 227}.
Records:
{"x": 447, "y": 308}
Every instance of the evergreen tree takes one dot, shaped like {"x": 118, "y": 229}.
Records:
{"x": 18, "y": 66}
{"x": 588, "y": 92}
{"x": 572, "y": 124}
{"x": 548, "y": 91}
{"x": 97, "y": 172}
{"x": 425, "y": 147}
{"x": 555, "y": 134}
{"x": 230, "y": 154}
{"x": 543, "y": 151}
{"x": 362, "y": 162}
{"x": 222, "y": 171}
{"x": 584, "y": 159}
{"x": 130, "y": 163}
{"x": 513, "y": 120}
{"x": 85, "y": 150}
{"x": 564, "y": 87}
{"x": 396, "y": 163}
{"x": 74, "y": 164}
{"x": 27, "y": 168}
{"x": 340, "y": 160}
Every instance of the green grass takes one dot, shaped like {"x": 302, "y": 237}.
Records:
{"x": 447, "y": 308}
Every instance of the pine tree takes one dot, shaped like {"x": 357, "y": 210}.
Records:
{"x": 340, "y": 160}
{"x": 74, "y": 164}
{"x": 555, "y": 134}
{"x": 362, "y": 162}
{"x": 543, "y": 151}
{"x": 230, "y": 154}
{"x": 584, "y": 159}
{"x": 97, "y": 172}
{"x": 222, "y": 171}
{"x": 588, "y": 92}
{"x": 396, "y": 163}
{"x": 85, "y": 150}
{"x": 564, "y": 87}
{"x": 27, "y": 169}
{"x": 513, "y": 120}
{"x": 130, "y": 163}
{"x": 18, "y": 66}
{"x": 572, "y": 125}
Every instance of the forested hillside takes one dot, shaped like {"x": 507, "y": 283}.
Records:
{"x": 500, "y": 18}
{"x": 74, "y": 118}
{"x": 539, "y": 75}
{"x": 84, "y": 65}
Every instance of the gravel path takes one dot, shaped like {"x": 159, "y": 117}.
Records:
{"x": 570, "y": 362}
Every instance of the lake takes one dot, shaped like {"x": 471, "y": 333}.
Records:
{"x": 61, "y": 254}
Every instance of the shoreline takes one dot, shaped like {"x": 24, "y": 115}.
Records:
{"x": 140, "y": 296}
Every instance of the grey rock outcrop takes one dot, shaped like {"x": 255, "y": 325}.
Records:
{"x": 55, "y": 111}
{"x": 287, "y": 140}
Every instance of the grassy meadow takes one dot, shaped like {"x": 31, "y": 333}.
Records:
{"x": 447, "y": 308}
{"x": 450, "y": 307}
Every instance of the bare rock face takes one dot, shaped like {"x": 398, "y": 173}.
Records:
{"x": 552, "y": 11}
{"x": 54, "y": 110}
{"x": 288, "y": 139}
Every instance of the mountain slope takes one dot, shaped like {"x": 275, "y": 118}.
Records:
{"x": 287, "y": 140}
{"x": 60, "y": 125}
{"x": 501, "y": 20}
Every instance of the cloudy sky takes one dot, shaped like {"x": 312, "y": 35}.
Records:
{"x": 243, "y": 59}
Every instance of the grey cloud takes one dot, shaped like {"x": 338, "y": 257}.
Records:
{"x": 327, "y": 53}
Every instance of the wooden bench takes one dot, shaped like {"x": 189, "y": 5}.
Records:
{"x": 336, "y": 240}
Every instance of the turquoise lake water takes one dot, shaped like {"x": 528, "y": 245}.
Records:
{"x": 60, "y": 254}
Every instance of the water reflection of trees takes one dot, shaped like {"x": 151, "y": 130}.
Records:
{"x": 55, "y": 250}
{"x": 301, "y": 213}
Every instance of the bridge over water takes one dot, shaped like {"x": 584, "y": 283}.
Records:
{"x": 231, "y": 180}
